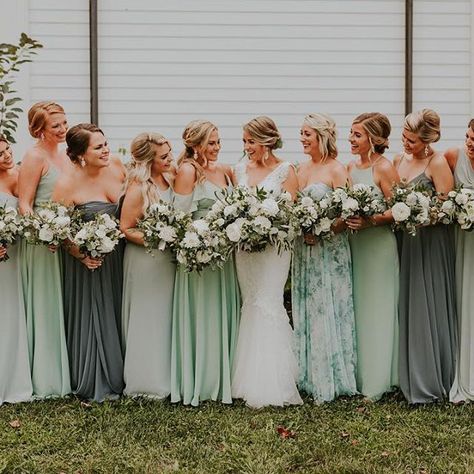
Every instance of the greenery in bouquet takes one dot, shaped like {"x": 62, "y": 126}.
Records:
{"x": 163, "y": 226}
{"x": 411, "y": 207}
{"x": 253, "y": 219}
{"x": 50, "y": 224}
{"x": 10, "y": 227}
{"x": 202, "y": 247}
{"x": 97, "y": 237}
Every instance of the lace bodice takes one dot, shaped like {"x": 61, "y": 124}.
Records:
{"x": 272, "y": 183}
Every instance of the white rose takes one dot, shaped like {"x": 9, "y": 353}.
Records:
{"x": 325, "y": 224}
{"x": 350, "y": 204}
{"x": 100, "y": 232}
{"x": 324, "y": 203}
{"x": 46, "y": 234}
{"x": 461, "y": 199}
{"x": 422, "y": 217}
{"x": 201, "y": 226}
{"x": 190, "y": 240}
{"x": 400, "y": 212}
{"x": 203, "y": 257}
{"x": 46, "y": 214}
{"x": 411, "y": 199}
{"x": 167, "y": 233}
{"x": 286, "y": 196}
{"x": 307, "y": 202}
{"x": 270, "y": 206}
{"x": 219, "y": 222}
{"x": 2, "y": 225}
{"x": 423, "y": 200}
{"x": 62, "y": 221}
{"x": 233, "y": 232}
{"x": 448, "y": 207}
{"x": 107, "y": 245}
{"x": 254, "y": 210}
{"x": 230, "y": 210}
{"x": 263, "y": 222}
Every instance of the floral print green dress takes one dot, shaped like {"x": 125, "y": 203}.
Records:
{"x": 323, "y": 314}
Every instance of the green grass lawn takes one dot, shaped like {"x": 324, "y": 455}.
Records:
{"x": 349, "y": 435}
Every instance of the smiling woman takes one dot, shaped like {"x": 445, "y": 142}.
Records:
{"x": 93, "y": 327}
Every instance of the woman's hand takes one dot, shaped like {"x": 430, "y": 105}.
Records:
{"x": 359, "y": 222}
{"x": 3, "y": 252}
{"x": 90, "y": 262}
{"x": 52, "y": 248}
{"x": 310, "y": 239}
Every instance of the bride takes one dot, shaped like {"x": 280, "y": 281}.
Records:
{"x": 265, "y": 368}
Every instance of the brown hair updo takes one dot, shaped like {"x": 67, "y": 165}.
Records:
{"x": 378, "y": 128}
{"x": 38, "y": 115}
{"x": 78, "y": 138}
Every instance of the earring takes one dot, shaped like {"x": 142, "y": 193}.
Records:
{"x": 195, "y": 155}
{"x": 42, "y": 137}
{"x": 83, "y": 162}
{"x": 427, "y": 151}
{"x": 265, "y": 156}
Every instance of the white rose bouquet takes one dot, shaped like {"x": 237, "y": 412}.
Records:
{"x": 411, "y": 208}
{"x": 10, "y": 227}
{"x": 97, "y": 237}
{"x": 253, "y": 219}
{"x": 202, "y": 247}
{"x": 358, "y": 200}
{"x": 313, "y": 216}
{"x": 457, "y": 207}
{"x": 50, "y": 224}
{"x": 163, "y": 226}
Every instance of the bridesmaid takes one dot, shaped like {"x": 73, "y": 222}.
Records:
{"x": 148, "y": 280}
{"x": 323, "y": 312}
{"x": 427, "y": 311}
{"x": 206, "y": 305}
{"x": 92, "y": 287}
{"x": 374, "y": 261}
{"x": 15, "y": 377}
{"x": 40, "y": 268}
{"x": 461, "y": 161}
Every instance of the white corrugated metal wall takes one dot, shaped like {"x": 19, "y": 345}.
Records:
{"x": 162, "y": 64}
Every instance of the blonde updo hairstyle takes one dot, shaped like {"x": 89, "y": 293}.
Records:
{"x": 196, "y": 135}
{"x": 38, "y": 116}
{"x": 425, "y": 123}
{"x": 471, "y": 124}
{"x": 143, "y": 153}
{"x": 325, "y": 128}
{"x": 378, "y": 128}
{"x": 265, "y": 132}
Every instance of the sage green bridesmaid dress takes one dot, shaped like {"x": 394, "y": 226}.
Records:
{"x": 463, "y": 386}
{"x": 42, "y": 294}
{"x": 147, "y": 307}
{"x": 15, "y": 377}
{"x": 206, "y": 314}
{"x": 375, "y": 281}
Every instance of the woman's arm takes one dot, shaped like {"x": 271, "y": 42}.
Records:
{"x": 441, "y": 175}
{"x": 131, "y": 212}
{"x": 31, "y": 170}
{"x": 291, "y": 183}
{"x": 185, "y": 179}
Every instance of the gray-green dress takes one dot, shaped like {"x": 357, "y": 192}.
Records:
{"x": 15, "y": 377}
{"x": 463, "y": 386}
{"x": 42, "y": 295}
{"x": 147, "y": 306}
{"x": 92, "y": 309}
{"x": 427, "y": 311}
{"x": 375, "y": 287}
{"x": 206, "y": 312}
{"x": 323, "y": 314}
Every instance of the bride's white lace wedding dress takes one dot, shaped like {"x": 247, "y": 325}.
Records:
{"x": 265, "y": 367}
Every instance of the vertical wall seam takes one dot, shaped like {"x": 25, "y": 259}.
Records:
{"x": 93, "y": 62}
{"x": 409, "y": 56}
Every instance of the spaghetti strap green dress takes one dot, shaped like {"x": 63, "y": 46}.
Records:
{"x": 375, "y": 275}
{"x": 206, "y": 314}
{"x": 40, "y": 272}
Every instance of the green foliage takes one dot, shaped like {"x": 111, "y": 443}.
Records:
{"x": 128, "y": 436}
{"x": 12, "y": 56}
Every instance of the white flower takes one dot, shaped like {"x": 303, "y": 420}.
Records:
{"x": 62, "y": 220}
{"x": 324, "y": 203}
{"x": 447, "y": 207}
{"x": 412, "y": 199}
{"x": 2, "y": 225}
{"x": 254, "y": 210}
{"x": 350, "y": 204}
{"x": 190, "y": 240}
{"x": 219, "y": 222}
{"x": 423, "y": 200}
{"x": 400, "y": 212}
{"x": 423, "y": 216}
{"x": 461, "y": 198}
{"x": 107, "y": 245}
{"x": 361, "y": 187}
{"x": 270, "y": 206}
{"x": 230, "y": 210}
{"x": 263, "y": 222}
{"x": 203, "y": 257}
{"x": 100, "y": 232}
{"x": 307, "y": 202}
{"x": 46, "y": 234}
{"x": 286, "y": 196}
{"x": 46, "y": 214}
{"x": 325, "y": 224}
{"x": 167, "y": 233}
{"x": 233, "y": 232}
{"x": 201, "y": 226}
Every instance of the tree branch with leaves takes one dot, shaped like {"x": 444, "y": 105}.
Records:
{"x": 12, "y": 56}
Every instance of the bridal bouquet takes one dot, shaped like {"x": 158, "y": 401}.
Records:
{"x": 97, "y": 237}
{"x": 411, "y": 208}
{"x": 253, "y": 219}
{"x": 48, "y": 225}
{"x": 202, "y": 247}
{"x": 458, "y": 206}
{"x": 313, "y": 216}
{"x": 358, "y": 200}
{"x": 10, "y": 227}
{"x": 163, "y": 226}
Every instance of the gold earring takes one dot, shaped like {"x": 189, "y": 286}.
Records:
{"x": 83, "y": 162}
{"x": 427, "y": 150}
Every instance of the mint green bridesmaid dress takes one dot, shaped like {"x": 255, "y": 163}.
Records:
{"x": 42, "y": 294}
{"x": 206, "y": 314}
{"x": 375, "y": 280}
